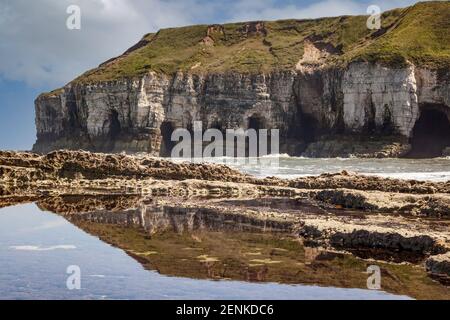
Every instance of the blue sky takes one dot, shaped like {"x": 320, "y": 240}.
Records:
{"x": 38, "y": 53}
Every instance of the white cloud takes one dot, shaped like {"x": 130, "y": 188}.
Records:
{"x": 269, "y": 10}
{"x": 36, "y": 47}
{"x": 264, "y": 11}
{"x": 37, "y": 248}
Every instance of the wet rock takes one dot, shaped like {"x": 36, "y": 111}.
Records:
{"x": 346, "y": 199}
{"x": 361, "y": 147}
{"x": 388, "y": 241}
{"x": 67, "y": 164}
{"x": 436, "y": 205}
{"x": 446, "y": 152}
{"x": 348, "y": 180}
{"x": 439, "y": 265}
{"x": 353, "y": 236}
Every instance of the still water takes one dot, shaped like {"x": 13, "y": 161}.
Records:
{"x": 36, "y": 247}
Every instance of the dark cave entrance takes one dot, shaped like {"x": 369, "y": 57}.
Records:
{"x": 114, "y": 125}
{"x": 217, "y": 125}
{"x": 431, "y": 134}
{"x": 308, "y": 128}
{"x": 257, "y": 123}
{"x": 167, "y": 128}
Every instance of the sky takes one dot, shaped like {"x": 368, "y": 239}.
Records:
{"x": 38, "y": 53}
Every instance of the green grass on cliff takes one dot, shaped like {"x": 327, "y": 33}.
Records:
{"x": 420, "y": 34}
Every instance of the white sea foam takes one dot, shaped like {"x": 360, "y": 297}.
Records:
{"x": 280, "y": 155}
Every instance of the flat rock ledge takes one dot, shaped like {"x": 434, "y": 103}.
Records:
{"x": 80, "y": 172}
{"x": 439, "y": 266}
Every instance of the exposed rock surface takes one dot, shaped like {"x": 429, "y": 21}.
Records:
{"x": 439, "y": 265}
{"x": 361, "y": 147}
{"x": 79, "y": 172}
{"x": 137, "y": 115}
{"x": 348, "y": 180}
{"x": 81, "y": 164}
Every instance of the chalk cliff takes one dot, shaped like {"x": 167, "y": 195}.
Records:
{"x": 332, "y": 87}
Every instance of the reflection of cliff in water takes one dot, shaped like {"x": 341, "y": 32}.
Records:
{"x": 154, "y": 217}
{"x": 202, "y": 243}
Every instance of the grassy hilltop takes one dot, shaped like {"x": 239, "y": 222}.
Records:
{"x": 420, "y": 33}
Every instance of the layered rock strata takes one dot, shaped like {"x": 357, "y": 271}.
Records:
{"x": 375, "y": 106}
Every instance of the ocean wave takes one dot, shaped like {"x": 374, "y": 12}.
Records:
{"x": 277, "y": 155}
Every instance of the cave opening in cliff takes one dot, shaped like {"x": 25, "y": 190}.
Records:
{"x": 167, "y": 128}
{"x": 257, "y": 122}
{"x": 308, "y": 128}
{"x": 114, "y": 124}
{"x": 431, "y": 134}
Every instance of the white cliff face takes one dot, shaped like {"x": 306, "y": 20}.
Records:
{"x": 376, "y": 95}
{"x": 136, "y": 109}
{"x": 150, "y": 106}
{"x": 433, "y": 90}
{"x": 50, "y": 115}
{"x": 130, "y": 115}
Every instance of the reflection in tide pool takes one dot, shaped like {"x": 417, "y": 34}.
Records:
{"x": 37, "y": 247}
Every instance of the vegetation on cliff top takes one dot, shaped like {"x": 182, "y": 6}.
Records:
{"x": 420, "y": 34}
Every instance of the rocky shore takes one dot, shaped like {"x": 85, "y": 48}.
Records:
{"x": 370, "y": 217}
